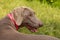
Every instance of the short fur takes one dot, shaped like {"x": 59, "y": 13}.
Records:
{"x": 9, "y": 32}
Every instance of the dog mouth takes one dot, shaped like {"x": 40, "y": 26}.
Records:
{"x": 32, "y": 29}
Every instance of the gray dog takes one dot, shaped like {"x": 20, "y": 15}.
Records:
{"x": 21, "y": 16}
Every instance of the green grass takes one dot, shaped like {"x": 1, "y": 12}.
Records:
{"x": 50, "y": 16}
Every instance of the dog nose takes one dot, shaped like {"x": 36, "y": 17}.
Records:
{"x": 40, "y": 24}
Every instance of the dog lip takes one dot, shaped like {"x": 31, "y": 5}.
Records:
{"x": 32, "y": 29}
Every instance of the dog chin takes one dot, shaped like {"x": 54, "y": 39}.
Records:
{"x": 32, "y": 29}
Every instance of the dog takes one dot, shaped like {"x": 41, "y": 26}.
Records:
{"x": 21, "y": 16}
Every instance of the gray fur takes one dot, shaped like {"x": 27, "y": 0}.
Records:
{"x": 9, "y": 32}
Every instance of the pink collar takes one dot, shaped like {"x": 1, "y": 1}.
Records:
{"x": 13, "y": 20}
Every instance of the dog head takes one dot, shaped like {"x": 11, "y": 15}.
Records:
{"x": 26, "y": 17}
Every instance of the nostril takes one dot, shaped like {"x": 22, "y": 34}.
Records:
{"x": 40, "y": 24}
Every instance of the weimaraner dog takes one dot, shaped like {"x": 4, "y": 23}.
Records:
{"x": 21, "y": 16}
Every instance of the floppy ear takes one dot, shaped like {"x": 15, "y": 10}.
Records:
{"x": 17, "y": 15}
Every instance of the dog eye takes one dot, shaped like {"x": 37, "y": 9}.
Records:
{"x": 30, "y": 15}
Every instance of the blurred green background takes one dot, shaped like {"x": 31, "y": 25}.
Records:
{"x": 48, "y": 11}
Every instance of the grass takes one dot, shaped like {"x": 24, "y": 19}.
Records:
{"x": 50, "y": 16}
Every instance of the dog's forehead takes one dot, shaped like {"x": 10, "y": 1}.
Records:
{"x": 30, "y": 9}
{"x": 24, "y": 7}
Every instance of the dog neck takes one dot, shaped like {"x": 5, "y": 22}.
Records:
{"x": 13, "y": 20}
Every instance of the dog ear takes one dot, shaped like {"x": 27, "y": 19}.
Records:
{"x": 17, "y": 15}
